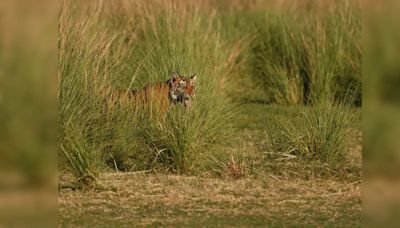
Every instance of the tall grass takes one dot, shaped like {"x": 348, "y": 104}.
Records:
{"x": 303, "y": 55}
{"x": 276, "y": 59}
{"x": 85, "y": 58}
{"x": 126, "y": 45}
{"x": 318, "y": 133}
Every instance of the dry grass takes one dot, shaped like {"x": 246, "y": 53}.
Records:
{"x": 142, "y": 199}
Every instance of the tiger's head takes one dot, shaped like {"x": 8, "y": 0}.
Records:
{"x": 182, "y": 89}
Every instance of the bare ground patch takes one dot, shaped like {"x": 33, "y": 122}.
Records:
{"x": 139, "y": 199}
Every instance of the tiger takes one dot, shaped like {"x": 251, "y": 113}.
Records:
{"x": 176, "y": 90}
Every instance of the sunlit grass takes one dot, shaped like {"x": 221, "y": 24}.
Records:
{"x": 318, "y": 133}
{"x": 92, "y": 57}
{"x": 134, "y": 44}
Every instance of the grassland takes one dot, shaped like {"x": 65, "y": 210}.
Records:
{"x": 273, "y": 136}
{"x": 272, "y": 192}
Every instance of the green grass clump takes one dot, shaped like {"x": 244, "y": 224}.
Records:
{"x": 320, "y": 133}
{"x": 83, "y": 160}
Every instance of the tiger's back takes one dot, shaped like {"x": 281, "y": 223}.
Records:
{"x": 158, "y": 96}
{"x": 153, "y": 95}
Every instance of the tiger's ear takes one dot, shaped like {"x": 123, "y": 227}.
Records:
{"x": 193, "y": 79}
{"x": 174, "y": 75}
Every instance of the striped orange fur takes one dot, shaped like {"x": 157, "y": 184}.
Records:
{"x": 161, "y": 95}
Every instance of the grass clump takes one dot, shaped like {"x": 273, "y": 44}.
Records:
{"x": 82, "y": 161}
{"x": 180, "y": 140}
{"x": 319, "y": 133}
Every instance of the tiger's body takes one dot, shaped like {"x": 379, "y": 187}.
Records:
{"x": 161, "y": 95}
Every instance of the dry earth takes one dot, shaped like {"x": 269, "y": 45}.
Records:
{"x": 165, "y": 200}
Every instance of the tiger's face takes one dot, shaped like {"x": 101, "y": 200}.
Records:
{"x": 182, "y": 89}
